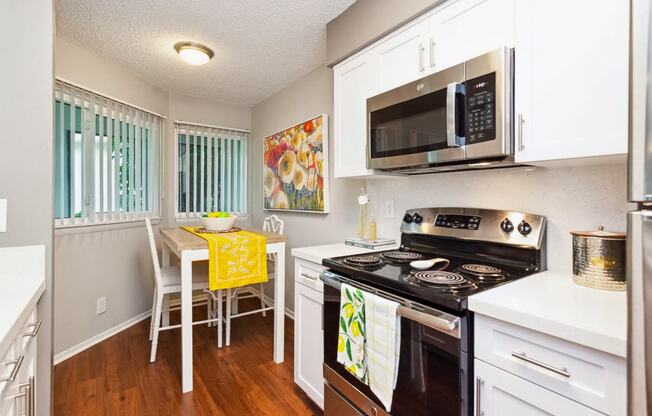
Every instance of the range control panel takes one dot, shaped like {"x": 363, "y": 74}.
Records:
{"x": 490, "y": 225}
{"x": 467, "y": 222}
{"x": 481, "y": 108}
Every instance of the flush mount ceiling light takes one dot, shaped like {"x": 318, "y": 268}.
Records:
{"x": 193, "y": 53}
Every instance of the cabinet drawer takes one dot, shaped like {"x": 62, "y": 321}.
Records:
{"x": 307, "y": 273}
{"x": 593, "y": 378}
{"x": 7, "y": 365}
{"x": 499, "y": 393}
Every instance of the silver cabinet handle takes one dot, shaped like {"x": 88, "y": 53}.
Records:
{"x": 36, "y": 327}
{"x": 520, "y": 132}
{"x": 307, "y": 276}
{"x": 420, "y": 64}
{"x": 432, "y": 53}
{"x": 17, "y": 363}
{"x": 478, "y": 391}
{"x": 521, "y": 356}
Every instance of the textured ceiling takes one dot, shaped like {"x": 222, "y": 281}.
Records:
{"x": 260, "y": 46}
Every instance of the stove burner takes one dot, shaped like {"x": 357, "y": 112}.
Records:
{"x": 483, "y": 272}
{"x": 363, "y": 261}
{"x": 401, "y": 256}
{"x": 444, "y": 280}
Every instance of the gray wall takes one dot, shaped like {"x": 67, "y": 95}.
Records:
{"x": 367, "y": 20}
{"x": 307, "y": 97}
{"x": 572, "y": 198}
{"x": 26, "y": 142}
{"x": 94, "y": 262}
{"x": 114, "y": 261}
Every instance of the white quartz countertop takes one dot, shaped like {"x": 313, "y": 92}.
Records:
{"x": 22, "y": 282}
{"x": 316, "y": 254}
{"x": 551, "y": 303}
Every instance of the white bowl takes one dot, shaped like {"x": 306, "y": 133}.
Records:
{"x": 219, "y": 224}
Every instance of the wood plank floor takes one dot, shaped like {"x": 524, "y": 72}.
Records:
{"x": 116, "y": 378}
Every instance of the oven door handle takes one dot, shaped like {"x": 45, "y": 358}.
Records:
{"x": 441, "y": 322}
{"x": 430, "y": 321}
{"x": 453, "y": 139}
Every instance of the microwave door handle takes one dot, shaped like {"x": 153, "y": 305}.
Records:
{"x": 453, "y": 139}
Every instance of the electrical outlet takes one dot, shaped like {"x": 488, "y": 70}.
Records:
{"x": 101, "y": 305}
{"x": 389, "y": 208}
{"x": 3, "y": 215}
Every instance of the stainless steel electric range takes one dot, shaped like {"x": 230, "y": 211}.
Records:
{"x": 484, "y": 248}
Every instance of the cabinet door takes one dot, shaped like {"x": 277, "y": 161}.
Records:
{"x": 308, "y": 342}
{"x": 355, "y": 81}
{"x": 464, "y": 29}
{"x": 402, "y": 57}
{"x": 571, "y": 79}
{"x": 499, "y": 393}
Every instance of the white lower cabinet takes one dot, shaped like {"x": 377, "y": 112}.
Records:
{"x": 308, "y": 330}
{"x": 499, "y": 393}
{"x": 519, "y": 371}
{"x": 18, "y": 372}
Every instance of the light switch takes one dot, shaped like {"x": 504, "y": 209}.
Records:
{"x": 3, "y": 215}
{"x": 389, "y": 208}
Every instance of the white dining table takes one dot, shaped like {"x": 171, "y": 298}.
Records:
{"x": 190, "y": 248}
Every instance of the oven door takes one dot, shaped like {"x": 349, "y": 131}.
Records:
{"x": 434, "y": 372}
{"x": 418, "y": 123}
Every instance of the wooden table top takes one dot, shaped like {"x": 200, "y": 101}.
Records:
{"x": 179, "y": 239}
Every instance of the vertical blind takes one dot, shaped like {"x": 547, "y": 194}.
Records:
{"x": 106, "y": 159}
{"x": 211, "y": 170}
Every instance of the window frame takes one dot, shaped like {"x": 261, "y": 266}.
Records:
{"x": 105, "y": 106}
{"x": 181, "y": 127}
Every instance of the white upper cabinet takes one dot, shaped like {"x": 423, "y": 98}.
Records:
{"x": 355, "y": 81}
{"x": 570, "y": 73}
{"x": 403, "y": 58}
{"x": 464, "y": 29}
{"x": 571, "y": 79}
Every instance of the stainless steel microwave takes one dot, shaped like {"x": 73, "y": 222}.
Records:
{"x": 457, "y": 118}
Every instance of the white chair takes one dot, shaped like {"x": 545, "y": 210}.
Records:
{"x": 272, "y": 224}
{"x": 168, "y": 280}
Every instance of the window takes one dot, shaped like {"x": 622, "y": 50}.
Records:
{"x": 211, "y": 170}
{"x": 106, "y": 159}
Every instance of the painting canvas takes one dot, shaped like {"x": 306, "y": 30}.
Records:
{"x": 295, "y": 172}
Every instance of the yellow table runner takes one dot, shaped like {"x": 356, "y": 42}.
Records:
{"x": 235, "y": 259}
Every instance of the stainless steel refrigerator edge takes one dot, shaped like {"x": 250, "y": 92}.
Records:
{"x": 639, "y": 220}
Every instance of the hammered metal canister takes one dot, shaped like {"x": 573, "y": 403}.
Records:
{"x": 599, "y": 259}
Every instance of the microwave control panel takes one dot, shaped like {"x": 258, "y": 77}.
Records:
{"x": 481, "y": 109}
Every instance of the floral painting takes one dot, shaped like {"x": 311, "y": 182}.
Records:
{"x": 295, "y": 172}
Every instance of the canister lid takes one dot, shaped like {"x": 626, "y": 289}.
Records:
{"x": 600, "y": 233}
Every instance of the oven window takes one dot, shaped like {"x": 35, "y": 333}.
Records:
{"x": 431, "y": 367}
{"x": 414, "y": 126}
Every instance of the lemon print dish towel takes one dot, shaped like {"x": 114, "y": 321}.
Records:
{"x": 235, "y": 259}
{"x": 369, "y": 340}
{"x": 351, "y": 340}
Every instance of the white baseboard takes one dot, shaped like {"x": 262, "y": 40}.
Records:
{"x": 76, "y": 349}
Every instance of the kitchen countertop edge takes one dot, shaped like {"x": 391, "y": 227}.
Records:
{"x": 542, "y": 291}
{"x": 316, "y": 254}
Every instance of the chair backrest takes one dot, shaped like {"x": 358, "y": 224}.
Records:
{"x": 154, "y": 253}
{"x": 273, "y": 224}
